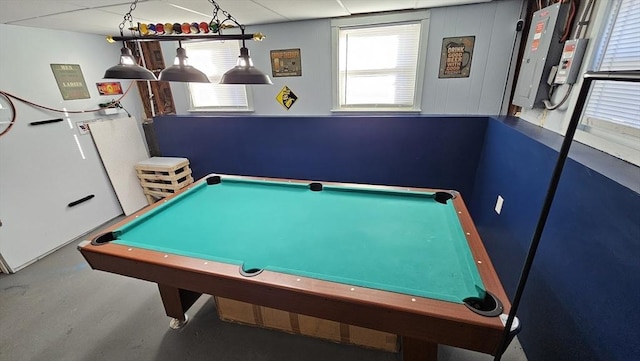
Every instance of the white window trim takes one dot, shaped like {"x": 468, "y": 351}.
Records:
{"x": 383, "y": 19}
{"x": 192, "y": 109}
{"x": 594, "y": 138}
{"x": 596, "y": 133}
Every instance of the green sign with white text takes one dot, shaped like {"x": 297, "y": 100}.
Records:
{"x": 70, "y": 81}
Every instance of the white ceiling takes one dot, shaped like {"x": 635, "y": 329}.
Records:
{"x": 104, "y": 16}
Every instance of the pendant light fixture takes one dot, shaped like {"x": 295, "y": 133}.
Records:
{"x": 181, "y": 71}
{"x": 127, "y": 68}
{"x": 244, "y": 72}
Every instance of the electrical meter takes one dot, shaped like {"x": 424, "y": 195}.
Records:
{"x": 570, "y": 61}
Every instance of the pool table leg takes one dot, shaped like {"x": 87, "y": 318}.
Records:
{"x": 176, "y": 302}
{"x": 418, "y": 350}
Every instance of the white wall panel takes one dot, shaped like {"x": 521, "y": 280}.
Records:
{"x": 121, "y": 147}
{"x": 492, "y": 23}
{"x": 43, "y": 168}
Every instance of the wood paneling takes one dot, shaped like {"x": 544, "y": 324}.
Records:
{"x": 156, "y": 94}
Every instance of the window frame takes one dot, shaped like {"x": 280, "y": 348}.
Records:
{"x": 422, "y": 17}
{"x": 617, "y": 139}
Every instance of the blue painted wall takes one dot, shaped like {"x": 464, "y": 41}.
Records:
{"x": 418, "y": 151}
{"x": 581, "y": 301}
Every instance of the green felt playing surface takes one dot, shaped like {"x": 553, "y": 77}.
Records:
{"x": 396, "y": 241}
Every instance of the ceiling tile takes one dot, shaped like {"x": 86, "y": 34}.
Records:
{"x": 246, "y": 12}
{"x": 79, "y": 21}
{"x": 309, "y": 9}
{"x": 14, "y": 10}
{"x": 438, "y": 3}
{"x": 369, "y": 6}
{"x": 104, "y": 16}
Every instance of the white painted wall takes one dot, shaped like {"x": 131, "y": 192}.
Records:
{"x": 41, "y": 167}
{"x": 494, "y": 26}
{"x": 558, "y": 120}
{"x": 492, "y": 23}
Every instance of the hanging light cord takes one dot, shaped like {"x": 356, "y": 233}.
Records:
{"x": 13, "y": 117}
{"x": 9, "y": 96}
{"x": 113, "y": 104}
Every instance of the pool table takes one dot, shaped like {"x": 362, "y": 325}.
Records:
{"x": 408, "y": 261}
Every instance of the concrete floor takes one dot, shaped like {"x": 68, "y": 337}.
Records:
{"x": 60, "y": 309}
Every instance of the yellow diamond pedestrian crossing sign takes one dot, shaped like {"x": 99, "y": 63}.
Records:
{"x": 286, "y": 97}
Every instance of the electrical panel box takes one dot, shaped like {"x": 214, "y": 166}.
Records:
{"x": 542, "y": 51}
{"x": 570, "y": 61}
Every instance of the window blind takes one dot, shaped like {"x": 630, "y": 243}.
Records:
{"x": 378, "y": 65}
{"x": 619, "y": 102}
{"x": 214, "y": 58}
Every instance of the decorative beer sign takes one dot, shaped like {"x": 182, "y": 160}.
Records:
{"x": 455, "y": 60}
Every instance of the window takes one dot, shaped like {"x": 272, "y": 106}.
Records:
{"x": 214, "y": 58}
{"x": 379, "y": 62}
{"x": 611, "y": 119}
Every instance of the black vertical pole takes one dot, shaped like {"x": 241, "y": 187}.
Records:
{"x": 589, "y": 77}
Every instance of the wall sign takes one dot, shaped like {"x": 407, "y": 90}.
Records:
{"x": 83, "y": 127}
{"x": 109, "y": 88}
{"x": 286, "y": 98}
{"x": 70, "y": 81}
{"x": 455, "y": 61}
{"x": 537, "y": 36}
{"x": 286, "y": 63}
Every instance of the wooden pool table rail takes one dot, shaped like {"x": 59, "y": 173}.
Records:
{"x": 422, "y": 322}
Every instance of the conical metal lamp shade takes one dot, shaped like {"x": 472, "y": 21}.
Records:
{"x": 244, "y": 72}
{"x": 182, "y": 71}
{"x": 128, "y": 69}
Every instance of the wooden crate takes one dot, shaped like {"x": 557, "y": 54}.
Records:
{"x": 162, "y": 176}
{"x": 254, "y": 315}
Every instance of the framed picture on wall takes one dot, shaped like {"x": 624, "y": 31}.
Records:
{"x": 286, "y": 62}
{"x": 70, "y": 81}
{"x": 455, "y": 59}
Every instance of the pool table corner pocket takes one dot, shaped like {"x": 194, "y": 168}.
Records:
{"x": 104, "y": 238}
{"x": 489, "y": 306}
